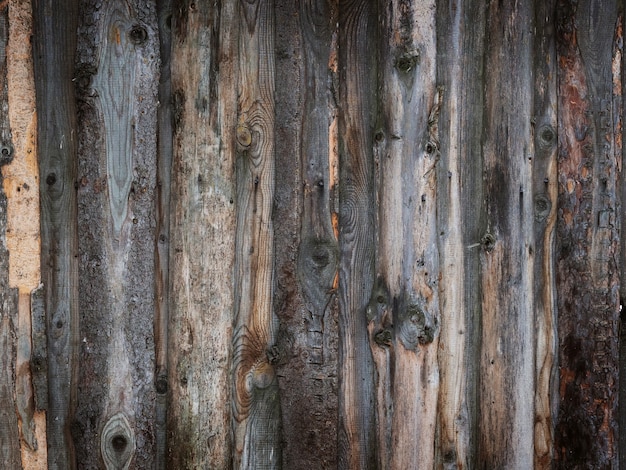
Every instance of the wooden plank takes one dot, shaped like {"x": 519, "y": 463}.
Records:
{"x": 506, "y": 420}
{"x": 589, "y": 36}
{"x": 162, "y": 249}
{"x": 307, "y": 255}
{"x": 256, "y": 408}
{"x": 544, "y": 175}
{"x": 461, "y": 219}
{"x": 117, "y": 70}
{"x": 56, "y": 141}
{"x": 357, "y": 446}
{"x": 403, "y": 311}
{"x": 202, "y": 253}
{"x": 9, "y": 433}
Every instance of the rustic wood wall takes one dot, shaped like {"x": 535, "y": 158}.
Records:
{"x": 311, "y": 234}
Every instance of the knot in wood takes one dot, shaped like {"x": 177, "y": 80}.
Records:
{"x": 542, "y": 207}
{"x": 547, "y": 137}
{"x": 383, "y": 338}
{"x": 117, "y": 442}
{"x": 488, "y": 242}
{"x": 6, "y": 154}
{"x": 407, "y": 61}
{"x": 244, "y": 136}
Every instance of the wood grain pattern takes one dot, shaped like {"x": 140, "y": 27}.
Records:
{"x": 56, "y": 140}
{"x": 404, "y": 310}
{"x": 202, "y": 228}
{"x": 589, "y": 159}
{"x": 544, "y": 174}
{"x": 461, "y": 215}
{"x": 357, "y": 447}
{"x": 163, "y": 209}
{"x": 506, "y": 420}
{"x": 306, "y": 257}
{"x": 9, "y": 433}
{"x": 117, "y": 138}
{"x": 256, "y": 408}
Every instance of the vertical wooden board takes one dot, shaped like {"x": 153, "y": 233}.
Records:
{"x": 117, "y": 71}
{"x": 202, "y": 228}
{"x": 589, "y": 38}
{"x": 306, "y": 246}
{"x": 403, "y": 311}
{"x": 544, "y": 175}
{"x": 54, "y": 44}
{"x": 9, "y": 433}
{"x": 506, "y": 419}
{"x": 256, "y": 407}
{"x": 461, "y": 219}
{"x": 357, "y": 447}
{"x": 162, "y": 248}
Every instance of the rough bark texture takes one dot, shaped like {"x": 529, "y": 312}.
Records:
{"x": 314, "y": 234}
{"x": 589, "y": 38}
{"x": 117, "y": 78}
{"x": 306, "y": 244}
{"x": 204, "y": 67}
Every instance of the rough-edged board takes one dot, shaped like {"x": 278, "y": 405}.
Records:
{"x": 202, "y": 228}
{"x": 116, "y": 75}
{"x": 460, "y": 44}
{"x": 589, "y": 37}
{"x": 256, "y": 407}
{"x": 357, "y": 446}
{"x": 54, "y": 43}
{"x": 506, "y": 417}
{"x": 403, "y": 312}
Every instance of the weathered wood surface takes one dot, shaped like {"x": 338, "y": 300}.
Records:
{"x": 54, "y": 43}
{"x": 544, "y": 185}
{"x": 256, "y": 408}
{"x": 9, "y": 433}
{"x": 460, "y": 68}
{"x": 204, "y": 89}
{"x": 589, "y": 45}
{"x": 306, "y": 255}
{"x": 441, "y": 181}
{"x": 117, "y": 71}
{"x": 162, "y": 229}
{"x": 403, "y": 312}
{"x": 506, "y": 388}
{"x": 357, "y": 445}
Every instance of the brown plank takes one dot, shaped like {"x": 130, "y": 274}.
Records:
{"x": 403, "y": 311}
{"x": 589, "y": 156}
{"x": 9, "y": 432}
{"x": 202, "y": 230}
{"x": 54, "y": 44}
{"x": 506, "y": 419}
{"x": 162, "y": 248}
{"x": 306, "y": 246}
{"x": 461, "y": 219}
{"x": 544, "y": 175}
{"x": 117, "y": 79}
{"x": 357, "y": 446}
{"x": 256, "y": 408}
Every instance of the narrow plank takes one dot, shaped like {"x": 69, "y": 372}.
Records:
{"x": 54, "y": 44}
{"x": 589, "y": 35}
{"x": 9, "y": 432}
{"x": 202, "y": 231}
{"x": 461, "y": 219}
{"x": 256, "y": 408}
{"x": 117, "y": 71}
{"x": 544, "y": 174}
{"x": 403, "y": 312}
{"x": 506, "y": 420}
{"x": 161, "y": 252}
{"x": 306, "y": 261}
{"x": 357, "y": 446}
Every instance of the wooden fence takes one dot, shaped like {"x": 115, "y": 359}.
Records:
{"x": 311, "y": 234}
